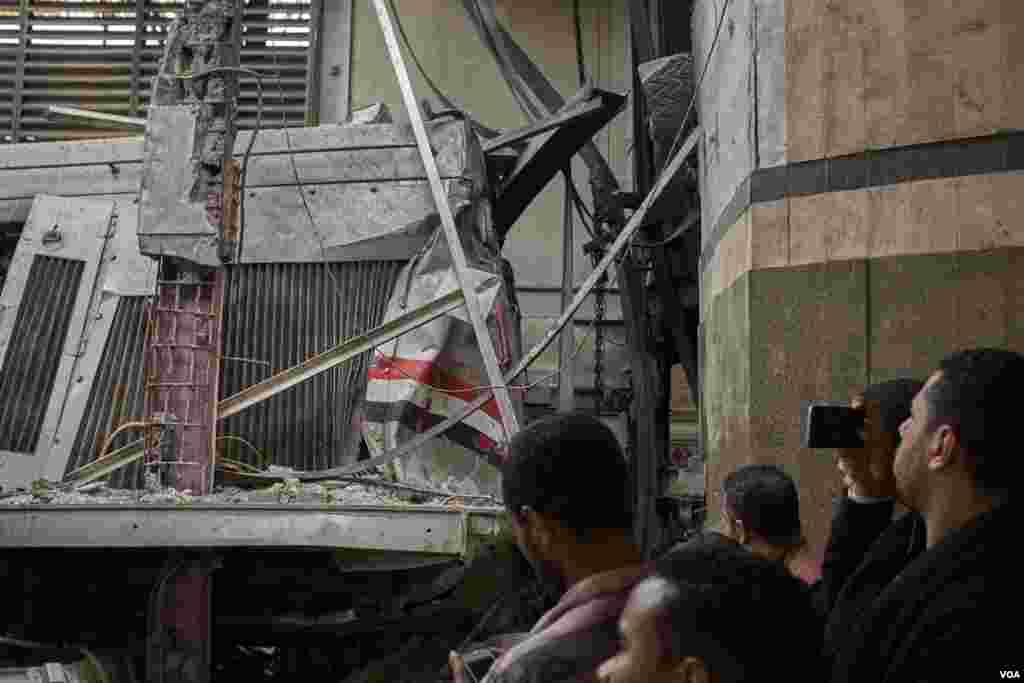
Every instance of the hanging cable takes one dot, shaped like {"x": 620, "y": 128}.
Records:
{"x": 578, "y": 26}
{"x": 483, "y": 130}
{"x": 696, "y": 90}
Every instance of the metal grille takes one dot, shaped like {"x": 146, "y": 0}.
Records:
{"x": 36, "y": 347}
{"x": 102, "y": 54}
{"x": 117, "y": 392}
{"x": 278, "y": 315}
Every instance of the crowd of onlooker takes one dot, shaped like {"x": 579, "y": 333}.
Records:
{"x": 917, "y": 581}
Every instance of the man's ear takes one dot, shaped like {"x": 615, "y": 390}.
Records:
{"x": 944, "y": 448}
{"x": 735, "y": 528}
{"x": 692, "y": 670}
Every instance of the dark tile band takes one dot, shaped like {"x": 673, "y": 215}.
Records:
{"x": 946, "y": 159}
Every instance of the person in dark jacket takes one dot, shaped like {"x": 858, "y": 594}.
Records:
{"x": 566, "y": 488}
{"x": 866, "y": 549}
{"x": 941, "y": 616}
{"x": 761, "y": 511}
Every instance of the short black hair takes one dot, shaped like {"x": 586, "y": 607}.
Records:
{"x": 765, "y": 499}
{"x": 569, "y": 467}
{"x": 893, "y": 398}
{"x": 977, "y": 394}
{"x": 720, "y": 590}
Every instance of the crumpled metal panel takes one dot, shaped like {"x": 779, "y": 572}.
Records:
{"x": 433, "y": 372}
{"x": 278, "y": 315}
{"x": 171, "y": 221}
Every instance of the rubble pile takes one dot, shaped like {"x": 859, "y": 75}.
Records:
{"x": 368, "y": 490}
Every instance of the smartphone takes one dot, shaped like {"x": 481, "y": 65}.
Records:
{"x": 478, "y": 663}
{"x": 832, "y": 425}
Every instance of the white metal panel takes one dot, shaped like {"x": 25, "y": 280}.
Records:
{"x": 84, "y": 227}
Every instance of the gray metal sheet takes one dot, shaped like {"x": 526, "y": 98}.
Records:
{"x": 390, "y": 221}
{"x": 84, "y": 229}
{"x": 421, "y": 529}
{"x": 278, "y": 315}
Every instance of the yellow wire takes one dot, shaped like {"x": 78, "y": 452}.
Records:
{"x": 135, "y": 424}
{"x": 238, "y": 438}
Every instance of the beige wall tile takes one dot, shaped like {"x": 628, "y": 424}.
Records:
{"x": 885, "y": 72}
{"x": 769, "y": 234}
{"x": 932, "y": 223}
{"x": 805, "y": 94}
{"x": 889, "y": 216}
{"x": 1013, "y": 57}
{"x": 990, "y": 211}
{"x": 979, "y": 80}
{"x": 845, "y": 221}
{"x": 867, "y": 73}
{"x": 807, "y": 229}
{"x": 931, "y": 108}
{"x": 844, "y": 78}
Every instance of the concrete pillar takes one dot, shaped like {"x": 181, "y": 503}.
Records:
{"x": 861, "y": 218}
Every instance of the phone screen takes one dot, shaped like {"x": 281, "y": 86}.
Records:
{"x": 830, "y": 425}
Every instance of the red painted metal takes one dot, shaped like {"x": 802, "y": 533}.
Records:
{"x": 183, "y": 372}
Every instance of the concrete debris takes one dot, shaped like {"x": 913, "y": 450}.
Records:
{"x": 375, "y": 113}
{"x": 289, "y": 491}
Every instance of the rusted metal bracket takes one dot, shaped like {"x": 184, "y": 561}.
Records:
{"x": 460, "y": 266}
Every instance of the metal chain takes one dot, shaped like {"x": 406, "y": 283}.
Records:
{"x": 599, "y": 313}
{"x": 596, "y": 250}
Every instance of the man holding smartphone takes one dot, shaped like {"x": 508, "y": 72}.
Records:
{"x": 924, "y": 600}
{"x": 866, "y": 548}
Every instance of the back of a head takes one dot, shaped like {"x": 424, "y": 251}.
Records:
{"x": 727, "y": 609}
{"x": 893, "y": 398}
{"x": 977, "y": 395}
{"x": 765, "y": 499}
{"x": 569, "y": 467}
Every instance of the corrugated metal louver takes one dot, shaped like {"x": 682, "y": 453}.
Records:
{"x": 37, "y": 344}
{"x": 278, "y": 315}
{"x": 117, "y": 393}
{"x": 102, "y": 54}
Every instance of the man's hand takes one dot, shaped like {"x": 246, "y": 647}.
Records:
{"x": 867, "y": 472}
{"x": 458, "y": 667}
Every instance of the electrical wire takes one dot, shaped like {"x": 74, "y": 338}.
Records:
{"x": 696, "y": 90}
{"x": 690, "y": 221}
{"x": 578, "y": 26}
{"x": 136, "y": 424}
{"x": 483, "y": 130}
{"x": 232, "y": 437}
{"x": 299, "y": 184}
